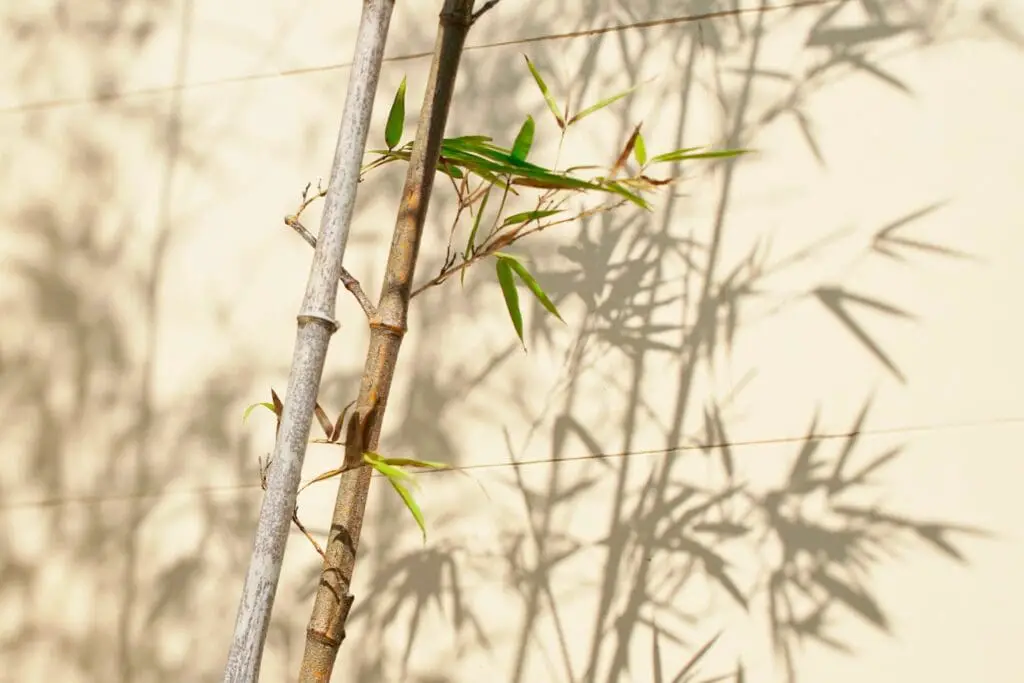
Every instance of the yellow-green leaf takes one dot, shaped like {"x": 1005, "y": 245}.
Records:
{"x": 519, "y": 269}
{"x": 390, "y": 471}
{"x": 640, "y": 150}
{"x": 618, "y": 188}
{"x": 552, "y": 105}
{"x": 471, "y": 242}
{"x": 521, "y": 147}
{"x": 601, "y": 105}
{"x": 527, "y": 216}
{"x": 412, "y": 506}
{"x": 398, "y": 478}
{"x": 249, "y": 409}
{"x": 396, "y": 118}
{"x": 688, "y": 153}
{"x": 508, "y": 290}
{"x": 412, "y": 462}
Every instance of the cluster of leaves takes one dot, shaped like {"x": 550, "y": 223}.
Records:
{"x": 392, "y": 468}
{"x": 478, "y": 168}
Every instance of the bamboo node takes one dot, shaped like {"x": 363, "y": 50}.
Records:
{"x": 309, "y": 316}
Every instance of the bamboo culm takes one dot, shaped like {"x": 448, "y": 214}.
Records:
{"x": 326, "y": 629}
{"x": 316, "y": 324}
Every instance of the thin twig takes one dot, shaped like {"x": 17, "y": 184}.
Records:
{"x": 346, "y": 278}
{"x": 309, "y": 537}
{"x": 295, "y": 513}
{"x": 499, "y": 243}
{"x": 490, "y": 4}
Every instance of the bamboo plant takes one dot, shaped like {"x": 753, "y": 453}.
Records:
{"x": 486, "y": 178}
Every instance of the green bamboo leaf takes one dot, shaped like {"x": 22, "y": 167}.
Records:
{"x": 508, "y": 290}
{"x": 396, "y": 118}
{"x": 519, "y": 269}
{"x": 398, "y": 479}
{"x": 412, "y": 506}
{"x": 640, "y": 150}
{"x": 618, "y": 188}
{"x": 527, "y": 216}
{"x": 483, "y": 150}
{"x": 450, "y": 169}
{"x": 412, "y": 462}
{"x": 379, "y": 463}
{"x": 683, "y": 154}
{"x": 470, "y": 138}
{"x": 554, "y": 182}
{"x": 399, "y": 153}
{"x": 477, "y": 163}
{"x": 552, "y": 105}
{"x": 521, "y": 147}
{"x": 471, "y": 242}
{"x": 601, "y": 105}
{"x": 249, "y": 409}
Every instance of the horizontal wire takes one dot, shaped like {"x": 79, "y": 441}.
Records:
{"x": 640, "y": 25}
{"x": 831, "y": 436}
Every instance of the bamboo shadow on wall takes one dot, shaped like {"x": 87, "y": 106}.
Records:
{"x": 660, "y": 522}
{"x": 668, "y": 534}
{"x": 84, "y": 276}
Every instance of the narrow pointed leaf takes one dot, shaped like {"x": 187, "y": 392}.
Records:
{"x": 552, "y": 105}
{"x": 325, "y": 422}
{"x": 470, "y": 138}
{"x": 524, "y": 141}
{"x": 278, "y": 408}
{"x": 323, "y": 477}
{"x": 249, "y": 409}
{"x": 531, "y": 283}
{"x": 527, "y": 216}
{"x": 396, "y": 118}
{"x": 412, "y": 505}
{"x": 471, "y": 242}
{"x": 412, "y": 462}
{"x": 450, "y": 170}
{"x": 640, "y": 150}
{"x": 619, "y": 189}
{"x": 339, "y": 425}
{"x": 601, "y": 105}
{"x": 380, "y": 464}
{"x": 691, "y": 153}
{"x": 398, "y": 479}
{"x": 626, "y": 151}
{"x": 278, "y": 405}
{"x": 508, "y": 290}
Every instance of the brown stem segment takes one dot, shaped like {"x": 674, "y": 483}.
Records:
{"x": 326, "y": 628}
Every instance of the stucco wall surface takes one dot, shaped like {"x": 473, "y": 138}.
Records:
{"x": 785, "y": 406}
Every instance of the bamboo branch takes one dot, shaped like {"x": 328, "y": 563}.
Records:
{"x": 326, "y": 629}
{"x": 498, "y": 241}
{"x": 316, "y": 324}
{"x": 346, "y": 278}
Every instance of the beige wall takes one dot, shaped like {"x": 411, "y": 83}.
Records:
{"x": 148, "y": 150}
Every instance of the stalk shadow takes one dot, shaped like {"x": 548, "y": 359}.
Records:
{"x": 103, "y": 511}
{"x": 669, "y": 535}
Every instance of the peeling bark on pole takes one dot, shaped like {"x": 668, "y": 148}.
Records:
{"x": 316, "y": 324}
{"x": 326, "y": 629}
